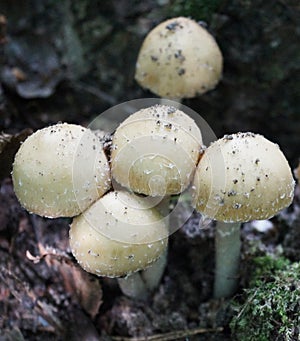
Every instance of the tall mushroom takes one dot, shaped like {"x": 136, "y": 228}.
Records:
{"x": 116, "y": 237}
{"x": 240, "y": 177}
{"x": 60, "y": 170}
{"x": 179, "y": 59}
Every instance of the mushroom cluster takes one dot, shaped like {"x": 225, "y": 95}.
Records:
{"x": 120, "y": 203}
{"x": 63, "y": 171}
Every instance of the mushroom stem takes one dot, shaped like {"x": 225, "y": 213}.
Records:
{"x": 228, "y": 245}
{"x": 140, "y": 284}
{"x": 154, "y": 273}
{"x": 133, "y": 286}
{"x": 174, "y": 99}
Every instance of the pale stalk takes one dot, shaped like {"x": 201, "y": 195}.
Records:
{"x": 227, "y": 258}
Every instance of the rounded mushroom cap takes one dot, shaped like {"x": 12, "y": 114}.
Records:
{"x": 179, "y": 59}
{"x": 155, "y": 151}
{"x": 118, "y": 235}
{"x": 60, "y": 170}
{"x": 242, "y": 177}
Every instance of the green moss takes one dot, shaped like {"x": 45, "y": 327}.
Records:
{"x": 198, "y": 10}
{"x": 271, "y": 305}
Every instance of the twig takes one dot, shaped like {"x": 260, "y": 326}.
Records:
{"x": 246, "y": 305}
{"x": 49, "y": 251}
{"x": 170, "y": 336}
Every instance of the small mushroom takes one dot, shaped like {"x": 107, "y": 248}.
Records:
{"x": 240, "y": 177}
{"x": 117, "y": 236}
{"x": 179, "y": 59}
{"x": 155, "y": 151}
{"x": 60, "y": 170}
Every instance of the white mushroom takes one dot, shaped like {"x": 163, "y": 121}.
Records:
{"x": 240, "y": 177}
{"x": 253, "y": 179}
{"x": 179, "y": 59}
{"x": 155, "y": 151}
{"x": 60, "y": 170}
{"x": 118, "y": 236}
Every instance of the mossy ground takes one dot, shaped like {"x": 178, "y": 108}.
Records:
{"x": 269, "y": 309}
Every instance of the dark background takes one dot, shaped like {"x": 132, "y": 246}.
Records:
{"x": 70, "y": 60}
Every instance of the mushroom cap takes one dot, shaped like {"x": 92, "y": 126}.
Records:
{"x": 179, "y": 59}
{"x": 118, "y": 235}
{"x": 60, "y": 170}
{"x": 155, "y": 151}
{"x": 242, "y": 177}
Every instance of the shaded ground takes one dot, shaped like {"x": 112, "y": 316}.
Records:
{"x": 69, "y": 61}
{"x": 45, "y": 295}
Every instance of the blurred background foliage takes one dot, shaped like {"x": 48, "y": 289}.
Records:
{"x": 70, "y": 60}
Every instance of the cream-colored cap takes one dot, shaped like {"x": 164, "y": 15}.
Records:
{"x": 179, "y": 59}
{"x": 60, "y": 170}
{"x": 155, "y": 151}
{"x": 118, "y": 235}
{"x": 242, "y": 177}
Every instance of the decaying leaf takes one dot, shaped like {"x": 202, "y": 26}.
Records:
{"x": 82, "y": 287}
{"x": 9, "y": 145}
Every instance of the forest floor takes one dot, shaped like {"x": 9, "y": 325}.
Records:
{"x": 45, "y": 295}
